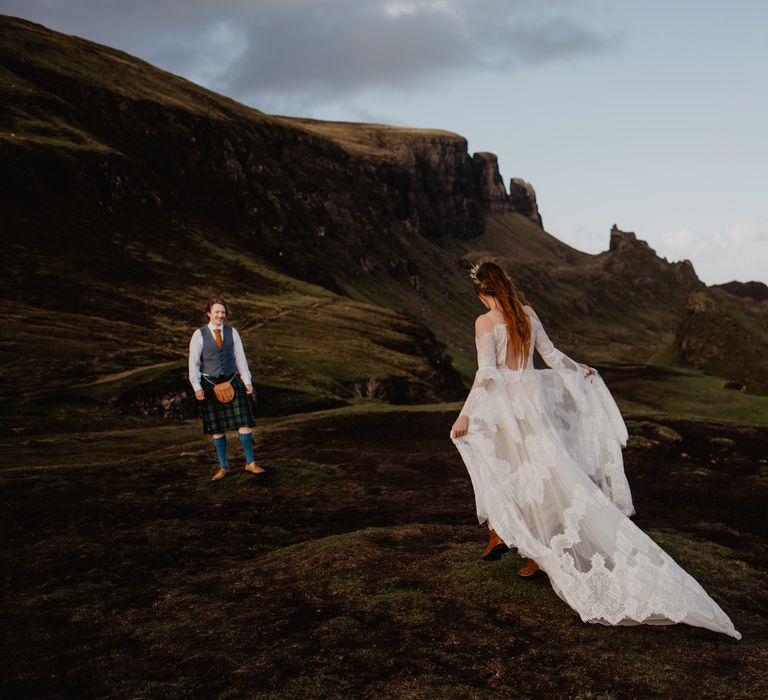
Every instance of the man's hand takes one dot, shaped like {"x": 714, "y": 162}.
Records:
{"x": 199, "y": 394}
{"x": 588, "y": 371}
{"x": 460, "y": 427}
{"x": 249, "y": 388}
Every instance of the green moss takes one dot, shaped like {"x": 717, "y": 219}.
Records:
{"x": 303, "y": 474}
{"x": 723, "y": 442}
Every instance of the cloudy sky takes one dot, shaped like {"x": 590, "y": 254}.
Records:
{"x": 651, "y": 115}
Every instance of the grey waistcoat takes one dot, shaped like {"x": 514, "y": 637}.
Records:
{"x": 215, "y": 361}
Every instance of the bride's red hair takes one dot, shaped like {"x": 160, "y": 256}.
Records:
{"x": 491, "y": 280}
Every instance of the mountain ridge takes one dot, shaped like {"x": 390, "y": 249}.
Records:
{"x": 132, "y": 194}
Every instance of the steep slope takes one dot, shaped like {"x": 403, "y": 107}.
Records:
{"x": 130, "y": 195}
{"x": 108, "y": 135}
{"x": 718, "y": 325}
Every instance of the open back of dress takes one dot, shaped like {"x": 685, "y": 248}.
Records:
{"x": 507, "y": 354}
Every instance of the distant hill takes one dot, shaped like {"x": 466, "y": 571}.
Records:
{"x": 756, "y": 291}
{"x": 717, "y": 326}
{"x": 130, "y": 194}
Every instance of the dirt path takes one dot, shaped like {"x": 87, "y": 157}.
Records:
{"x": 136, "y": 370}
{"x": 268, "y": 319}
{"x": 284, "y": 312}
{"x": 126, "y": 373}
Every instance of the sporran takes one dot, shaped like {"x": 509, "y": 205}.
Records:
{"x": 224, "y": 392}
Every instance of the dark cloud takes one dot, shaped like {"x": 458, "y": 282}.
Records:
{"x": 284, "y": 52}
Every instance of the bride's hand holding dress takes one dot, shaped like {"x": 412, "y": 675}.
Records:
{"x": 460, "y": 426}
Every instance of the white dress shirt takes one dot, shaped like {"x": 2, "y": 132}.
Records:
{"x": 196, "y": 351}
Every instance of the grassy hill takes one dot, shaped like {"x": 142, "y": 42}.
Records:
{"x": 717, "y": 325}
{"x": 132, "y": 194}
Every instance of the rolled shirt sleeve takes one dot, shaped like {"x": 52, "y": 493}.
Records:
{"x": 240, "y": 362}
{"x": 195, "y": 353}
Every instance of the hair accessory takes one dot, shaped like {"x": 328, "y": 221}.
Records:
{"x": 473, "y": 273}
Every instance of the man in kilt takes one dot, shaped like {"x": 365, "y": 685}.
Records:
{"x": 216, "y": 356}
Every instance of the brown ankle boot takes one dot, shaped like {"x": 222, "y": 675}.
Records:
{"x": 528, "y": 569}
{"x": 495, "y": 548}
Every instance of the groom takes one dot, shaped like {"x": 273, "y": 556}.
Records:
{"x": 216, "y": 356}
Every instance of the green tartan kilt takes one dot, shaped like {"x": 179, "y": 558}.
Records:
{"x": 219, "y": 417}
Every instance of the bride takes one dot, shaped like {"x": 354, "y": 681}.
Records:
{"x": 543, "y": 450}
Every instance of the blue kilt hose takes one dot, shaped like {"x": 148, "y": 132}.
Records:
{"x": 219, "y": 417}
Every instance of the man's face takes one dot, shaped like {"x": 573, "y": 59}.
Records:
{"x": 217, "y": 314}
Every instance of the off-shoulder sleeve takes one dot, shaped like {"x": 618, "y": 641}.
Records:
{"x": 549, "y": 353}
{"x": 570, "y": 371}
{"x": 485, "y": 342}
{"x": 486, "y": 349}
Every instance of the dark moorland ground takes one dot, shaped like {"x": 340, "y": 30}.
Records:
{"x": 351, "y": 569}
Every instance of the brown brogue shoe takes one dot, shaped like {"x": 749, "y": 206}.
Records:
{"x": 254, "y": 468}
{"x": 219, "y": 474}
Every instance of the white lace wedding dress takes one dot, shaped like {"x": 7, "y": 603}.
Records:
{"x": 543, "y": 450}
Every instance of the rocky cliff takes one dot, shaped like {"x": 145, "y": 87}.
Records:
{"x": 642, "y": 268}
{"x": 129, "y": 194}
{"x": 91, "y": 126}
